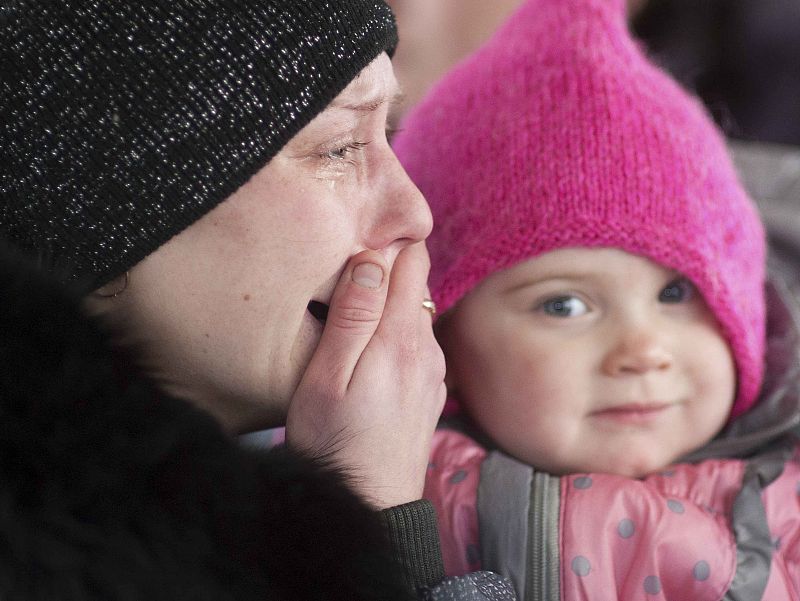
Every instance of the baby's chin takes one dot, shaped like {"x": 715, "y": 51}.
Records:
{"x": 640, "y": 465}
{"x": 629, "y": 466}
{"x": 637, "y": 471}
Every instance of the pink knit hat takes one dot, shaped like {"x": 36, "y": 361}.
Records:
{"x": 560, "y": 133}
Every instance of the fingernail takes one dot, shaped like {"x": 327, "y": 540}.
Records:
{"x": 368, "y": 275}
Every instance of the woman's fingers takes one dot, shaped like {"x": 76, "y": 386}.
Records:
{"x": 355, "y": 311}
{"x": 374, "y": 388}
{"x": 407, "y": 289}
{"x": 407, "y": 324}
{"x": 318, "y": 418}
{"x": 397, "y": 465}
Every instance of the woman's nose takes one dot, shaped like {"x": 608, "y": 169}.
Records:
{"x": 401, "y": 215}
{"x": 637, "y": 351}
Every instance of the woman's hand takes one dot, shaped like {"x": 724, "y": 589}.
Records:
{"x": 373, "y": 391}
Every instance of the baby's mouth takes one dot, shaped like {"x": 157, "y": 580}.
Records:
{"x": 318, "y": 310}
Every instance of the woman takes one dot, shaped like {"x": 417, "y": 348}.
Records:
{"x": 218, "y": 174}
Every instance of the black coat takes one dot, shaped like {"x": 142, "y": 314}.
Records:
{"x": 111, "y": 490}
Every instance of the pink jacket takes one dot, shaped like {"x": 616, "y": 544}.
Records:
{"x": 715, "y": 527}
{"x": 694, "y": 531}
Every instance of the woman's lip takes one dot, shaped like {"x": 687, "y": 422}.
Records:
{"x": 313, "y": 324}
{"x": 318, "y": 310}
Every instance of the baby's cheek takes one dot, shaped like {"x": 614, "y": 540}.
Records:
{"x": 541, "y": 443}
{"x": 713, "y": 365}
{"x": 716, "y": 394}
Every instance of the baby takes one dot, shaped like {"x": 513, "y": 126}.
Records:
{"x": 599, "y": 272}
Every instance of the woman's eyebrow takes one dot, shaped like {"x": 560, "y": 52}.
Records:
{"x": 373, "y": 104}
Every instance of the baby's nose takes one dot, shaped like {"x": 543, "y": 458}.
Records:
{"x": 637, "y": 352}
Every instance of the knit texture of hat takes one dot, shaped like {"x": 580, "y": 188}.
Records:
{"x": 559, "y": 133}
{"x": 124, "y": 121}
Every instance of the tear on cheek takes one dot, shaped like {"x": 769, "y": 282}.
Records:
{"x": 318, "y": 310}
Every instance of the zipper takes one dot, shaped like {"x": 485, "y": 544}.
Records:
{"x": 542, "y": 580}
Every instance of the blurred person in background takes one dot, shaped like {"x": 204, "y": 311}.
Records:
{"x": 436, "y": 34}
{"x": 742, "y": 57}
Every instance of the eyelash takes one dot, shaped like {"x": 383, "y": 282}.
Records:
{"x": 341, "y": 153}
{"x": 562, "y": 300}
{"x": 678, "y": 291}
{"x": 686, "y": 288}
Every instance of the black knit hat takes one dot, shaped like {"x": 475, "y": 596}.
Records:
{"x": 124, "y": 121}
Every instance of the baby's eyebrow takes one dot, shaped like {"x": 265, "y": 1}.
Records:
{"x": 561, "y": 278}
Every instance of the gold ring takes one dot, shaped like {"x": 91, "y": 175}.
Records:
{"x": 429, "y": 306}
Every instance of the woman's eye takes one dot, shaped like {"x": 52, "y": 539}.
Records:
{"x": 677, "y": 291}
{"x": 564, "y": 306}
{"x": 342, "y": 153}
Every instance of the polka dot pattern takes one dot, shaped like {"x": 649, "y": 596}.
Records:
{"x": 652, "y": 585}
{"x": 659, "y": 530}
{"x": 451, "y": 485}
{"x": 581, "y": 566}
{"x": 701, "y": 571}
{"x": 626, "y": 528}
{"x": 653, "y": 538}
{"x": 459, "y": 476}
{"x": 656, "y": 538}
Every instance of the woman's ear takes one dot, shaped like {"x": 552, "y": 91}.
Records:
{"x": 115, "y": 287}
{"x": 103, "y": 300}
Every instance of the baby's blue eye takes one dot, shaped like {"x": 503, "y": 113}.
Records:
{"x": 677, "y": 291}
{"x": 564, "y": 306}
